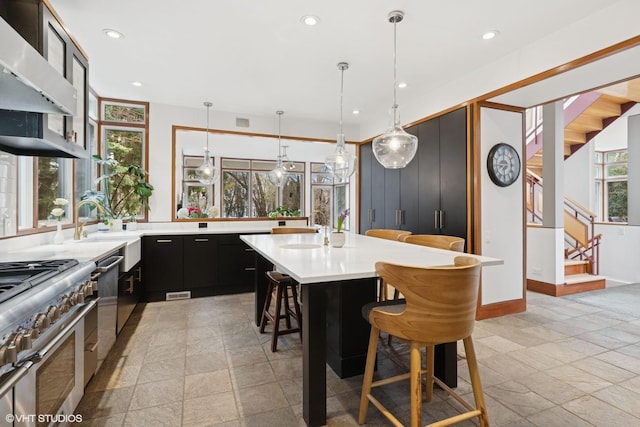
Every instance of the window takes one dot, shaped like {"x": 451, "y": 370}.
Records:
{"x": 611, "y": 170}
{"x": 124, "y": 139}
{"x": 328, "y": 198}
{"x": 248, "y": 191}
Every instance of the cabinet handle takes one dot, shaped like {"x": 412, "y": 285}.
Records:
{"x": 402, "y": 217}
{"x": 164, "y": 240}
{"x": 250, "y": 269}
{"x": 369, "y": 215}
{"x": 441, "y": 219}
{"x": 200, "y": 240}
{"x": 373, "y": 215}
{"x": 397, "y": 217}
{"x": 131, "y": 281}
{"x": 435, "y": 219}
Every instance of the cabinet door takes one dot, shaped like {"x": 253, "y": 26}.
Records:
{"x": 237, "y": 269}
{"x": 391, "y": 198}
{"x": 365, "y": 187}
{"x": 409, "y": 176}
{"x": 200, "y": 262}
{"x": 377, "y": 193}
{"x": 162, "y": 263}
{"x": 428, "y": 176}
{"x": 453, "y": 172}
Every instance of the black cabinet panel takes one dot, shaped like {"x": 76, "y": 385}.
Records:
{"x": 453, "y": 176}
{"x": 429, "y": 176}
{"x": 162, "y": 263}
{"x": 236, "y": 265}
{"x": 429, "y": 195}
{"x": 200, "y": 261}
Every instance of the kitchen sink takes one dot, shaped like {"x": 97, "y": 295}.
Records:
{"x": 132, "y": 251}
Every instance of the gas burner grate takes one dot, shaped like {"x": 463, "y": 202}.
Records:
{"x": 58, "y": 265}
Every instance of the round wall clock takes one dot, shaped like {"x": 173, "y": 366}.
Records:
{"x": 503, "y": 164}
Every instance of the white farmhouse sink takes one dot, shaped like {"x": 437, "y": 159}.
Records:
{"x": 132, "y": 251}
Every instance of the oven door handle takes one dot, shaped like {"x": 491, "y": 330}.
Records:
{"x": 15, "y": 376}
{"x": 42, "y": 353}
{"x": 117, "y": 259}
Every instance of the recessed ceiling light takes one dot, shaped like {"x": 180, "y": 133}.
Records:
{"x": 113, "y": 33}
{"x": 402, "y": 85}
{"x": 310, "y": 20}
{"x": 356, "y": 112}
{"x": 136, "y": 84}
{"x": 490, "y": 34}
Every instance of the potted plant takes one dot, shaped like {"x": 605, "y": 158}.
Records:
{"x": 338, "y": 237}
{"x": 124, "y": 190}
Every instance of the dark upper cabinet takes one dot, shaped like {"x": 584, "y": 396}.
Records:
{"x": 429, "y": 195}
{"x": 33, "y": 20}
{"x": 372, "y": 194}
{"x": 200, "y": 261}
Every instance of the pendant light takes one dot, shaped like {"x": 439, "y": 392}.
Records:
{"x": 206, "y": 173}
{"x": 277, "y": 175}
{"x": 341, "y": 163}
{"x": 395, "y": 148}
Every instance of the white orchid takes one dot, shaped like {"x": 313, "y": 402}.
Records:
{"x": 60, "y": 202}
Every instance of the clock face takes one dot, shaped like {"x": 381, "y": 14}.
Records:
{"x": 503, "y": 164}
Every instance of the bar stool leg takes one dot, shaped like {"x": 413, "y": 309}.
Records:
{"x": 287, "y": 310}
{"x": 472, "y": 363}
{"x": 429, "y": 359}
{"x": 416, "y": 397}
{"x": 267, "y": 304}
{"x": 276, "y": 321}
{"x": 296, "y": 307}
{"x": 368, "y": 374}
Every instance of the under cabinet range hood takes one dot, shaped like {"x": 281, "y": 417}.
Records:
{"x": 28, "y": 85}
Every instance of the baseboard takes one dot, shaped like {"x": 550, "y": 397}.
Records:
{"x": 566, "y": 289}
{"x": 501, "y": 308}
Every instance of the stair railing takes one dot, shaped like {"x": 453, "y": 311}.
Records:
{"x": 579, "y": 224}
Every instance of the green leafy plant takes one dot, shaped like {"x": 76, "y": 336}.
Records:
{"x": 124, "y": 190}
{"x": 284, "y": 211}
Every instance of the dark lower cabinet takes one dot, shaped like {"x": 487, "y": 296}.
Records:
{"x": 162, "y": 265}
{"x": 203, "y": 264}
{"x": 129, "y": 294}
{"x": 237, "y": 264}
{"x": 199, "y": 263}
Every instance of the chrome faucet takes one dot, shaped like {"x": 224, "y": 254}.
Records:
{"x": 78, "y": 230}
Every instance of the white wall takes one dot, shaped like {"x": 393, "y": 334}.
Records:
{"x": 614, "y": 137}
{"x": 502, "y": 225}
{"x": 545, "y": 254}
{"x": 578, "y": 176}
{"x": 163, "y": 117}
{"x": 619, "y": 252}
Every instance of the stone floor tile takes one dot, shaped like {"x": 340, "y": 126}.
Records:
{"x": 284, "y": 417}
{"x": 105, "y": 403}
{"x": 557, "y": 417}
{"x": 161, "y": 370}
{"x": 165, "y": 415}
{"x": 252, "y": 375}
{"x": 157, "y": 393}
{"x": 599, "y": 413}
{"x": 604, "y": 370}
{"x": 237, "y": 357}
{"x": 551, "y": 388}
{"x": 519, "y": 398}
{"x": 207, "y": 383}
{"x": 112, "y": 421}
{"x": 205, "y": 362}
{"x": 261, "y": 398}
{"x": 578, "y": 378}
{"x": 621, "y": 398}
{"x": 209, "y": 410}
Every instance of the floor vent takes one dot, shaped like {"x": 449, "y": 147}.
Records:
{"x": 178, "y": 295}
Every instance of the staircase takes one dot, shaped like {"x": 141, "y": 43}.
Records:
{"x": 582, "y": 245}
{"x": 585, "y": 116}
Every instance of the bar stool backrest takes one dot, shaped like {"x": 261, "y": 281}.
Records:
{"x": 440, "y": 301}
{"x": 440, "y": 241}
{"x": 389, "y": 234}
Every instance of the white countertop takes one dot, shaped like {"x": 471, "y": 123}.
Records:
{"x": 307, "y": 260}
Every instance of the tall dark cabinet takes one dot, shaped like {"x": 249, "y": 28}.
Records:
{"x": 429, "y": 196}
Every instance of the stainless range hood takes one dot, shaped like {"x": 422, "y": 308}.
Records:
{"x": 29, "y": 84}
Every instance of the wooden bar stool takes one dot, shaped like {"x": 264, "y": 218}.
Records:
{"x": 388, "y": 234}
{"x": 283, "y": 285}
{"x": 440, "y": 307}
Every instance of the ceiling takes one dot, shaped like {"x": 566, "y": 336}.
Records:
{"x": 255, "y": 57}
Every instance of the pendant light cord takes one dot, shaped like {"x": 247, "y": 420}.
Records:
{"x": 341, "y": 94}
{"x": 395, "y": 68}
{"x": 208, "y": 105}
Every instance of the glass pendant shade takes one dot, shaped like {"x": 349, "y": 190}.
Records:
{"x": 277, "y": 175}
{"x": 206, "y": 173}
{"x": 341, "y": 164}
{"x": 395, "y": 148}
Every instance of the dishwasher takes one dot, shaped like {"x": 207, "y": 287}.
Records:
{"x": 107, "y": 277}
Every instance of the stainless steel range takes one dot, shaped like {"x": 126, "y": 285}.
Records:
{"x": 42, "y": 341}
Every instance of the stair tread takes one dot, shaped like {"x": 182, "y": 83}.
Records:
{"x": 575, "y": 262}
{"x": 582, "y": 277}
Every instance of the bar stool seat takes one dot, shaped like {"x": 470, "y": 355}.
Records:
{"x": 286, "y": 293}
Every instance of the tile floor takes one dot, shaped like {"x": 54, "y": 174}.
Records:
{"x": 202, "y": 362}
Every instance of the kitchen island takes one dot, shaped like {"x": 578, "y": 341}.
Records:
{"x": 336, "y": 282}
